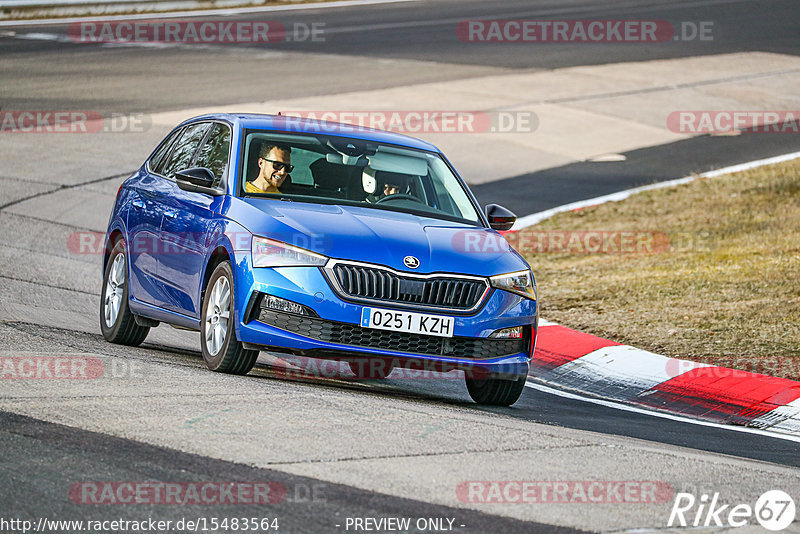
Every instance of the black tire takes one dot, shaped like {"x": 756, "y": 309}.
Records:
{"x": 494, "y": 391}
{"x": 375, "y": 369}
{"x": 121, "y": 328}
{"x": 230, "y": 357}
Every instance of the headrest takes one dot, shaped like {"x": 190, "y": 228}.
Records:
{"x": 329, "y": 175}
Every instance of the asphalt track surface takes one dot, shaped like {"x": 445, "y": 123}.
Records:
{"x": 40, "y": 460}
{"x": 181, "y": 77}
{"x": 309, "y": 505}
{"x": 538, "y": 191}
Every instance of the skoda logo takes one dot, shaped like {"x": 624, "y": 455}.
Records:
{"x": 411, "y": 262}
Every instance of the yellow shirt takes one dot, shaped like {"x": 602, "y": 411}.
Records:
{"x": 250, "y": 188}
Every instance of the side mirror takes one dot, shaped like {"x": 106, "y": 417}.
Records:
{"x": 197, "y": 176}
{"x": 198, "y": 180}
{"x": 499, "y": 217}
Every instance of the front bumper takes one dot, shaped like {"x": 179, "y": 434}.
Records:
{"x": 336, "y": 332}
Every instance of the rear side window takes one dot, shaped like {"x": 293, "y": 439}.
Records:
{"x": 181, "y": 156}
{"x": 214, "y": 153}
{"x": 158, "y": 159}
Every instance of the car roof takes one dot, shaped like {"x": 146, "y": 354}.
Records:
{"x": 283, "y": 123}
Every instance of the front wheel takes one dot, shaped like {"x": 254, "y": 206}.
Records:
{"x": 494, "y": 391}
{"x": 117, "y": 323}
{"x": 221, "y": 350}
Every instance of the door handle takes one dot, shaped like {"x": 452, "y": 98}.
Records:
{"x": 137, "y": 203}
{"x": 170, "y": 213}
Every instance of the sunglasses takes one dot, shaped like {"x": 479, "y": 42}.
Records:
{"x": 278, "y": 165}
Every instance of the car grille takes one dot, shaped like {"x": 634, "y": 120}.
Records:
{"x": 473, "y": 348}
{"x": 373, "y": 284}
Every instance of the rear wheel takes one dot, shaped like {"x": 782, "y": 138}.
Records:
{"x": 221, "y": 350}
{"x": 494, "y": 391}
{"x": 117, "y": 323}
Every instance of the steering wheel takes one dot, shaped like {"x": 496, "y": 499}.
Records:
{"x": 398, "y": 196}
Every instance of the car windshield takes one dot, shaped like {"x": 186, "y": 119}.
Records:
{"x": 352, "y": 172}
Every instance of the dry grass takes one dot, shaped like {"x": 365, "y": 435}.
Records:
{"x": 726, "y": 290}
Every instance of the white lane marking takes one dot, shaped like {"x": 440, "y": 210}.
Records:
{"x": 529, "y": 220}
{"x": 542, "y": 323}
{"x": 200, "y": 13}
{"x": 622, "y": 371}
{"x": 42, "y": 37}
{"x": 663, "y": 415}
{"x": 603, "y": 158}
{"x": 61, "y": 38}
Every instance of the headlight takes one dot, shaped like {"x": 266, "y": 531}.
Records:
{"x": 271, "y": 253}
{"x": 520, "y": 282}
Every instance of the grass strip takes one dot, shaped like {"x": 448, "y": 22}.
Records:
{"x": 708, "y": 271}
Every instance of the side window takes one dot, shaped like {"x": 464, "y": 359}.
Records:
{"x": 185, "y": 148}
{"x": 214, "y": 153}
{"x": 158, "y": 159}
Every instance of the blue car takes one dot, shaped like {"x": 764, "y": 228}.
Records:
{"x": 321, "y": 240}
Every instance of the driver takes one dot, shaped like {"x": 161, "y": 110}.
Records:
{"x": 274, "y": 166}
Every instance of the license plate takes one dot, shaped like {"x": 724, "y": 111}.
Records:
{"x": 401, "y": 321}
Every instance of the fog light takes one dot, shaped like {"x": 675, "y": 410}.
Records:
{"x": 515, "y": 332}
{"x": 276, "y": 303}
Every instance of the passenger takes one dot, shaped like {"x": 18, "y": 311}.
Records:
{"x": 274, "y": 163}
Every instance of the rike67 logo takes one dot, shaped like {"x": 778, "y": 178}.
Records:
{"x": 774, "y": 510}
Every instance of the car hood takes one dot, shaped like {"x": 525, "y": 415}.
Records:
{"x": 380, "y": 236}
